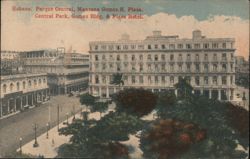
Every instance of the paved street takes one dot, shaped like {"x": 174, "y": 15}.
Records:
{"x": 20, "y": 125}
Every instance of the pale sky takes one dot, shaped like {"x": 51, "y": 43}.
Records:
{"x": 20, "y": 31}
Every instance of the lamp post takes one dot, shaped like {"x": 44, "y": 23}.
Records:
{"x": 47, "y": 134}
{"x": 67, "y": 115}
{"x": 20, "y": 144}
{"x": 35, "y": 143}
{"x": 57, "y": 117}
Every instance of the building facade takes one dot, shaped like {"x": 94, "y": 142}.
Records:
{"x": 158, "y": 62}
{"x": 21, "y": 91}
{"x": 66, "y": 71}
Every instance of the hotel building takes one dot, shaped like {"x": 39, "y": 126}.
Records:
{"x": 158, "y": 62}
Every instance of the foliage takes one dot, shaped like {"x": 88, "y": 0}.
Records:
{"x": 87, "y": 99}
{"x": 135, "y": 101}
{"x": 211, "y": 115}
{"x": 167, "y": 138}
{"x": 116, "y": 127}
{"x": 19, "y": 155}
{"x": 100, "y": 107}
{"x": 242, "y": 79}
{"x": 117, "y": 79}
{"x": 184, "y": 88}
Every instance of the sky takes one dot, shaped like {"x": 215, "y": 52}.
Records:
{"x": 21, "y": 31}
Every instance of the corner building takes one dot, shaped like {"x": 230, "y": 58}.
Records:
{"x": 158, "y": 62}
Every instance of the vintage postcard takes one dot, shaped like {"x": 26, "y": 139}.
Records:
{"x": 124, "y": 79}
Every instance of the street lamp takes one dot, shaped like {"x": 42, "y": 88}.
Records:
{"x": 58, "y": 117}
{"x": 20, "y": 144}
{"x": 47, "y": 135}
{"x": 35, "y": 129}
{"x": 67, "y": 115}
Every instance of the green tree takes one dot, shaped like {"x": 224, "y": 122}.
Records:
{"x": 100, "y": 107}
{"x": 138, "y": 102}
{"x": 117, "y": 79}
{"x": 184, "y": 88}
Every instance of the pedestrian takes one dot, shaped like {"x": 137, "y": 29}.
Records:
{"x": 53, "y": 142}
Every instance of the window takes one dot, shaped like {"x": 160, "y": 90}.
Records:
{"x": 163, "y": 46}
{"x": 156, "y": 67}
{"x": 4, "y": 88}
{"x": 103, "y": 47}
{"x": 197, "y": 80}
{"x": 118, "y": 58}
{"x": 156, "y": 80}
{"x": 149, "y": 46}
{"x": 96, "y": 66}
{"x": 224, "y": 45}
{"x": 149, "y": 57}
{"x": 111, "y": 47}
{"x": 24, "y": 85}
{"x": 206, "y": 80}
{"x": 215, "y": 80}
{"x": 206, "y": 46}
{"x": 103, "y": 57}
{"x": 162, "y": 57}
{"x": 18, "y": 86}
{"x": 188, "y": 46}
{"x": 231, "y": 79}
{"x": 215, "y": 45}
{"x": 180, "y": 46}
{"x": 141, "y": 47}
{"x": 141, "y": 57}
{"x": 125, "y": 47}
{"x": 180, "y": 57}
{"x": 133, "y": 58}
{"x": 126, "y": 57}
{"x": 35, "y": 83}
{"x": 180, "y": 67}
{"x": 118, "y": 47}
{"x": 205, "y": 57}
{"x": 133, "y": 47}
{"x": 149, "y": 80}
{"x": 11, "y": 87}
{"x": 103, "y": 79}
{"x": 96, "y": 79}
{"x": 163, "y": 67}
{"x": 171, "y": 57}
{"x": 133, "y": 68}
{"x": 214, "y": 67}
{"x": 96, "y": 57}
{"x": 149, "y": 67}
{"x": 118, "y": 68}
{"x": 215, "y": 57}
{"x": 141, "y": 67}
{"x": 156, "y": 57}
{"x": 96, "y": 47}
{"x": 188, "y": 57}
{"x": 188, "y": 67}
{"x": 29, "y": 84}
{"x": 172, "y": 67}
{"x": 206, "y": 67}
{"x": 133, "y": 79}
{"x": 224, "y": 80}
{"x": 156, "y": 46}
{"x": 111, "y": 57}
{"x": 197, "y": 57}
{"x": 171, "y": 46}
{"x": 224, "y": 56}
{"x": 224, "y": 67}
{"x": 163, "y": 80}
{"x": 141, "y": 79}
{"x": 197, "y": 67}
{"x": 111, "y": 65}
{"x": 197, "y": 46}
{"x": 171, "y": 80}
{"x": 103, "y": 66}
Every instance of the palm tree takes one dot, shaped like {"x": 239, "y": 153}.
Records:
{"x": 117, "y": 79}
{"x": 184, "y": 87}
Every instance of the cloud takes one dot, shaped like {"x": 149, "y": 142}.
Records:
{"x": 20, "y": 34}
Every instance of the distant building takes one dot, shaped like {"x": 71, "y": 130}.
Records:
{"x": 11, "y": 63}
{"x": 158, "y": 62}
{"x": 66, "y": 71}
{"x": 21, "y": 91}
{"x": 241, "y": 65}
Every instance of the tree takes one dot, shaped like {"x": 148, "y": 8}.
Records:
{"x": 211, "y": 115}
{"x": 87, "y": 99}
{"x": 138, "y": 102}
{"x": 117, "y": 79}
{"x": 168, "y": 138}
{"x": 185, "y": 89}
{"x": 100, "y": 107}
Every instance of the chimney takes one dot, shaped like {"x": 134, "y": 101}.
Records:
{"x": 197, "y": 34}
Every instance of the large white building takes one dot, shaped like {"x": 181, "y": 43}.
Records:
{"x": 158, "y": 62}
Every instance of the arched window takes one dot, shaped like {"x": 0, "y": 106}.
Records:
{"x": 24, "y": 84}
{"x": 4, "y": 88}
{"x": 29, "y": 83}
{"x": 11, "y": 87}
{"x": 39, "y": 82}
{"x": 17, "y": 86}
{"x": 44, "y": 80}
{"x": 35, "y": 83}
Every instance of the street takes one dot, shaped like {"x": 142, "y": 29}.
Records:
{"x": 21, "y": 124}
